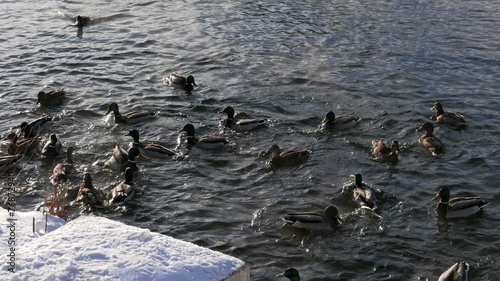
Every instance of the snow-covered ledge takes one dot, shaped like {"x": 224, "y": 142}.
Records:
{"x": 96, "y": 248}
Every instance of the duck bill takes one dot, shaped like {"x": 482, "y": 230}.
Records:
{"x": 352, "y": 176}
{"x": 128, "y": 134}
{"x": 281, "y": 275}
{"x": 338, "y": 218}
{"x": 194, "y": 84}
{"x": 325, "y": 120}
{"x": 109, "y": 110}
{"x": 140, "y": 156}
{"x": 437, "y": 197}
{"x": 181, "y": 130}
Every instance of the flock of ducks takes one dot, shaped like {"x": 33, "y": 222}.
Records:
{"x": 27, "y": 142}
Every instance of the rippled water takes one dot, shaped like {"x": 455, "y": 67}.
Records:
{"x": 289, "y": 62}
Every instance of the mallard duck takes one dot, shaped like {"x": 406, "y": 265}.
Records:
{"x": 121, "y": 159}
{"x": 150, "y": 149}
{"x": 240, "y": 125}
{"x": 209, "y": 142}
{"x": 25, "y": 146}
{"x": 458, "y": 207}
{"x": 55, "y": 97}
{"x": 450, "y": 117}
{"x": 124, "y": 191}
{"x": 429, "y": 140}
{"x": 339, "y": 122}
{"x": 181, "y": 82}
{"x": 53, "y": 147}
{"x": 363, "y": 195}
{"x": 35, "y": 127}
{"x": 9, "y": 162}
{"x": 287, "y": 157}
{"x": 457, "y": 272}
{"x": 88, "y": 194}
{"x": 131, "y": 117}
{"x": 330, "y": 219}
{"x": 291, "y": 273}
{"x": 62, "y": 170}
{"x": 386, "y": 153}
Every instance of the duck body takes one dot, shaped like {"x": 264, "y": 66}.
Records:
{"x": 240, "y": 125}
{"x": 181, "y": 82}
{"x": 385, "y": 153}
{"x": 339, "y": 122}
{"x": 291, "y": 273}
{"x": 207, "y": 142}
{"x": 330, "y": 219}
{"x": 121, "y": 159}
{"x": 53, "y": 147}
{"x": 25, "y": 146}
{"x": 124, "y": 191}
{"x": 364, "y": 195}
{"x": 131, "y": 117}
{"x": 150, "y": 149}
{"x": 457, "y": 272}
{"x": 62, "y": 170}
{"x": 55, "y": 97}
{"x": 287, "y": 157}
{"x": 453, "y": 118}
{"x": 35, "y": 127}
{"x": 430, "y": 141}
{"x": 88, "y": 194}
{"x": 9, "y": 162}
{"x": 459, "y": 207}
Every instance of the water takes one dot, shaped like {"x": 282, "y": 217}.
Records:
{"x": 290, "y": 62}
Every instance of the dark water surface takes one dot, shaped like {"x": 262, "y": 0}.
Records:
{"x": 289, "y": 62}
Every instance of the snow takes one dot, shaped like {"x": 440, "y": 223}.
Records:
{"x": 97, "y": 248}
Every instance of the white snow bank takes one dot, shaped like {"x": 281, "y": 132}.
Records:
{"x": 96, "y": 248}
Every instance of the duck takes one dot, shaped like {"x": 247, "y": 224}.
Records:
{"x": 208, "y": 142}
{"x": 287, "y": 157}
{"x": 150, "y": 149}
{"x": 9, "y": 162}
{"x": 458, "y": 207}
{"x": 363, "y": 195}
{"x": 124, "y": 191}
{"x": 450, "y": 117}
{"x": 291, "y": 273}
{"x": 133, "y": 117}
{"x": 430, "y": 141}
{"x": 25, "y": 146}
{"x": 122, "y": 159}
{"x": 457, "y": 272}
{"x": 62, "y": 170}
{"x": 88, "y": 194}
{"x": 240, "y": 125}
{"x": 385, "y": 153}
{"x": 339, "y": 122}
{"x": 35, "y": 127}
{"x": 181, "y": 82}
{"x": 330, "y": 219}
{"x": 53, "y": 147}
{"x": 55, "y": 97}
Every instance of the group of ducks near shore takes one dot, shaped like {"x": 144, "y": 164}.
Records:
{"x": 27, "y": 141}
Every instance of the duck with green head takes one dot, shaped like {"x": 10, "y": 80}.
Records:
{"x": 150, "y": 149}
{"x": 240, "y": 125}
{"x": 385, "y": 153}
{"x": 125, "y": 190}
{"x": 130, "y": 117}
{"x": 330, "y": 219}
{"x": 122, "y": 159}
{"x": 339, "y": 122}
{"x": 290, "y": 273}
{"x": 208, "y": 142}
{"x": 287, "y": 157}
{"x": 363, "y": 194}
{"x": 458, "y": 207}
{"x": 457, "y": 272}
{"x": 181, "y": 82}
{"x": 453, "y": 118}
{"x": 53, "y": 147}
{"x": 430, "y": 141}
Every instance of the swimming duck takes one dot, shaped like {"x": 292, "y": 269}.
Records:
{"x": 25, "y": 146}
{"x": 124, "y": 191}
{"x": 62, "y": 170}
{"x": 429, "y": 140}
{"x": 55, "y": 97}
{"x": 121, "y": 159}
{"x": 9, "y": 162}
{"x": 457, "y": 272}
{"x": 363, "y": 195}
{"x": 208, "y": 142}
{"x": 386, "y": 153}
{"x": 240, "y": 125}
{"x": 458, "y": 207}
{"x": 450, "y": 117}
{"x": 181, "y": 82}
{"x": 330, "y": 219}
{"x": 291, "y": 273}
{"x": 53, "y": 147}
{"x": 287, "y": 157}
{"x": 151, "y": 149}
{"x": 88, "y": 194}
{"x": 131, "y": 117}
{"x": 339, "y": 122}
{"x": 35, "y": 127}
